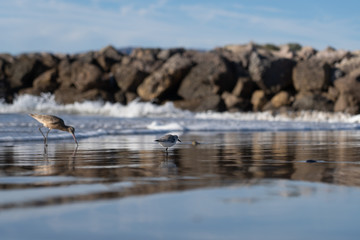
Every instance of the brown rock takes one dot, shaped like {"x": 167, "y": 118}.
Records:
{"x": 349, "y": 88}
{"x": 128, "y": 77}
{"x": 66, "y": 95}
{"x": 244, "y": 87}
{"x": 64, "y": 71}
{"x": 166, "y": 79}
{"x": 347, "y": 103}
{"x": 234, "y": 103}
{"x": 124, "y": 97}
{"x": 311, "y": 101}
{"x": 331, "y": 56}
{"x": 24, "y": 70}
{"x": 311, "y": 75}
{"x": 258, "y": 100}
{"x": 107, "y": 57}
{"x": 95, "y": 95}
{"x": 348, "y": 65}
{"x": 271, "y": 74}
{"x": 280, "y": 99}
{"x": 212, "y": 75}
{"x": 306, "y": 53}
{"x": 46, "y": 82}
{"x": 85, "y": 76}
{"x": 208, "y": 103}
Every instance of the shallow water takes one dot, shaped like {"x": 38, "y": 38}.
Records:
{"x": 248, "y": 185}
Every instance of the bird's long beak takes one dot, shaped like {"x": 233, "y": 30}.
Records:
{"x": 179, "y": 140}
{"x": 74, "y": 138}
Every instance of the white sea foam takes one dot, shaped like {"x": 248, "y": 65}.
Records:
{"x": 181, "y": 119}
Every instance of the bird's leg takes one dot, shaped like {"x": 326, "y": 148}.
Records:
{"x": 43, "y": 135}
{"x": 47, "y": 135}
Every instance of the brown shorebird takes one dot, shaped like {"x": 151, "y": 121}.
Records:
{"x": 168, "y": 140}
{"x": 53, "y": 122}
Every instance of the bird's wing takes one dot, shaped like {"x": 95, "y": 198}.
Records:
{"x": 47, "y": 119}
{"x": 164, "y": 138}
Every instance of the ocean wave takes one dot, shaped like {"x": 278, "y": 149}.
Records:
{"x": 136, "y": 109}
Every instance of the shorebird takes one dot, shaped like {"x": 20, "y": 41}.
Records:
{"x": 52, "y": 122}
{"x": 168, "y": 140}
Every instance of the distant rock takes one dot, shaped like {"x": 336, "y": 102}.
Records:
{"x": 128, "y": 77}
{"x": 211, "y": 75}
{"x": 349, "y": 88}
{"x": 311, "y": 101}
{"x": 24, "y": 70}
{"x": 311, "y": 75}
{"x": 258, "y": 100}
{"x": 166, "y": 79}
{"x": 271, "y": 74}
{"x": 85, "y": 76}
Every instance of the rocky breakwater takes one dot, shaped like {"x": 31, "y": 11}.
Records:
{"x": 247, "y": 77}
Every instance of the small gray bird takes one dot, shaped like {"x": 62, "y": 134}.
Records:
{"x": 168, "y": 140}
{"x": 53, "y": 122}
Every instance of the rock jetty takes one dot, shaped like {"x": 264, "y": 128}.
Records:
{"x": 248, "y": 77}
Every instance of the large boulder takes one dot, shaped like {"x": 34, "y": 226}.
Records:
{"x": 258, "y": 100}
{"x": 128, "y": 77}
{"x": 165, "y": 80}
{"x": 46, "y": 82}
{"x": 212, "y": 75}
{"x": 349, "y": 88}
{"x": 24, "y": 70}
{"x": 108, "y": 56}
{"x": 311, "y": 75}
{"x": 281, "y": 99}
{"x": 271, "y": 74}
{"x": 85, "y": 76}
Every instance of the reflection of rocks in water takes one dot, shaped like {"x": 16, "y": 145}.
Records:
{"x": 220, "y": 160}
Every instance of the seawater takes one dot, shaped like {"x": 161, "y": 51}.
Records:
{"x": 251, "y": 175}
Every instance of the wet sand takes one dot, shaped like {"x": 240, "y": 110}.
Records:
{"x": 291, "y": 185}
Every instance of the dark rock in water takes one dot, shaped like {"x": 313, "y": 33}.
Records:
{"x": 311, "y": 161}
{"x": 271, "y": 74}
{"x": 311, "y": 75}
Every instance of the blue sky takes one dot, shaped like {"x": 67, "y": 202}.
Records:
{"x": 69, "y": 26}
